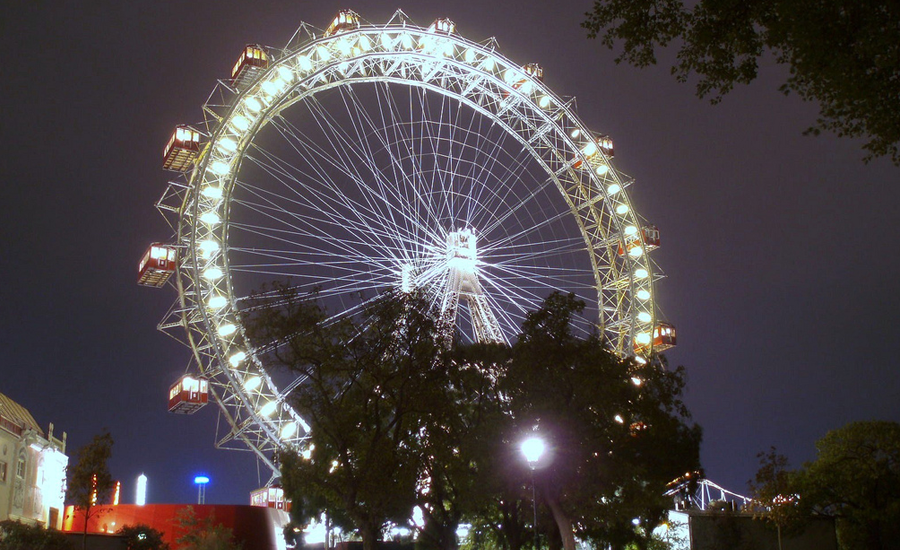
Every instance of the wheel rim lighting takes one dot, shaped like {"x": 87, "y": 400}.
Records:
{"x": 644, "y": 317}
{"x": 252, "y": 383}
{"x": 212, "y": 274}
{"x": 227, "y": 329}
{"x": 217, "y": 302}
{"x": 643, "y": 294}
{"x": 268, "y": 408}
{"x": 641, "y": 273}
{"x": 237, "y": 358}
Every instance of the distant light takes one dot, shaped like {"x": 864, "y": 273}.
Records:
{"x": 288, "y": 430}
{"x": 636, "y": 521}
{"x": 636, "y": 381}
{"x": 532, "y": 448}
{"x": 253, "y": 104}
{"x": 219, "y": 167}
{"x": 252, "y": 383}
{"x": 618, "y": 418}
{"x": 116, "y": 493}
{"x": 286, "y": 74}
{"x": 211, "y": 192}
{"x": 141, "y": 497}
{"x": 217, "y": 302}
{"x": 575, "y": 133}
{"x": 237, "y": 358}
{"x": 212, "y": 274}
{"x": 227, "y": 144}
{"x": 268, "y": 408}
{"x": 210, "y": 218}
{"x": 640, "y": 360}
{"x": 241, "y": 123}
{"x": 201, "y": 480}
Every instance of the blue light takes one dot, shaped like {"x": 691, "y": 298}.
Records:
{"x": 200, "y": 480}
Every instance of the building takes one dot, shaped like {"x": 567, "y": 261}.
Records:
{"x": 32, "y": 468}
{"x": 255, "y": 527}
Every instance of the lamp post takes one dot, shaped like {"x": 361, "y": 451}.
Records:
{"x": 532, "y": 448}
{"x": 201, "y": 482}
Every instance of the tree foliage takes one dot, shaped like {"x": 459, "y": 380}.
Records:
{"x": 15, "y": 535}
{"x": 203, "y": 533}
{"x": 89, "y": 482}
{"x": 142, "y": 537}
{"x": 368, "y": 383}
{"x": 844, "y": 54}
{"x": 855, "y": 479}
{"x": 399, "y": 419}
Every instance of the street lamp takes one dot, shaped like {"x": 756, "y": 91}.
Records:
{"x": 201, "y": 482}
{"x": 532, "y": 448}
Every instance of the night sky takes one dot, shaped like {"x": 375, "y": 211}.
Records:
{"x": 780, "y": 249}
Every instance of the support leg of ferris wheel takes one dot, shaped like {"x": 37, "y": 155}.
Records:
{"x": 463, "y": 284}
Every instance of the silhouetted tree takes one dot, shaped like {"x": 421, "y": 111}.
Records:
{"x": 89, "y": 482}
{"x": 844, "y": 54}
{"x": 15, "y": 535}
{"x": 203, "y": 534}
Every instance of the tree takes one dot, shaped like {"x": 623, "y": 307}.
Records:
{"x": 618, "y": 430}
{"x": 143, "y": 537}
{"x": 856, "y": 479}
{"x": 844, "y": 54}
{"x": 369, "y": 382}
{"x": 89, "y": 482}
{"x": 15, "y": 535}
{"x": 203, "y": 534}
{"x": 774, "y": 489}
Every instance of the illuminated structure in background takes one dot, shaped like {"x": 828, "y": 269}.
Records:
{"x": 32, "y": 468}
{"x": 201, "y": 482}
{"x": 362, "y": 158}
{"x": 140, "y": 497}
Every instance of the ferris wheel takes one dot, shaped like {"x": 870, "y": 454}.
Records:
{"x": 365, "y": 158}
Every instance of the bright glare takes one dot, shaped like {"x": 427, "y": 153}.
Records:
{"x": 544, "y": 102}
{"x": 532, "y": 449}
{"x": 219, "y": 167}
{"x": 618, "y": 418}
{"x": 636, "y": 252}
{"x": 227, "y": 144}
{"x": 241, "y": 122}
{"x": 488, "y": 64}
{"x": 643, "y": 338}
{"x": 208, "y": 247}
{"x": 630, "y": 230}
{"x": 602, "y": 170}
{"x": 201, "y": 480}
{"x": 210, "y": 218}
{"x": 212, "y": 274}
{"x": 252, "y": 383}
{"x": 644, "y": 317}
{"x": 286, "y": 74}
{"x": 469, "y": 56}
{"x": 268, "y": 408}
{"x": 214, "y": 193}
{"x": 589, "y": 149}
{"x": 636, "y": 381}
{"x": 289, "y": 430}
{"x": 217, "y": 302}
{"x": 237, "y": 358}
{"x": 622, "y": 209}
{"x": 253, "y": 104}
{"x": 641, "y": 273}
{"x": 141, "y": 497}
{"x": 643, "y": 294}
{"x": 227, "y": 329}
{"x": 575, "y": 133}
{"x": 305, "y": 63}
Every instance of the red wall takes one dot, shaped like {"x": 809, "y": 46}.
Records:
{"x": 258, "y": 528}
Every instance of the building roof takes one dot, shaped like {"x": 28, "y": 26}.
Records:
{"x": 18, "y": 414}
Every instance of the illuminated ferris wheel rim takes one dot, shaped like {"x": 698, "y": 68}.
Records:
{"x": 400, "y": 53}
